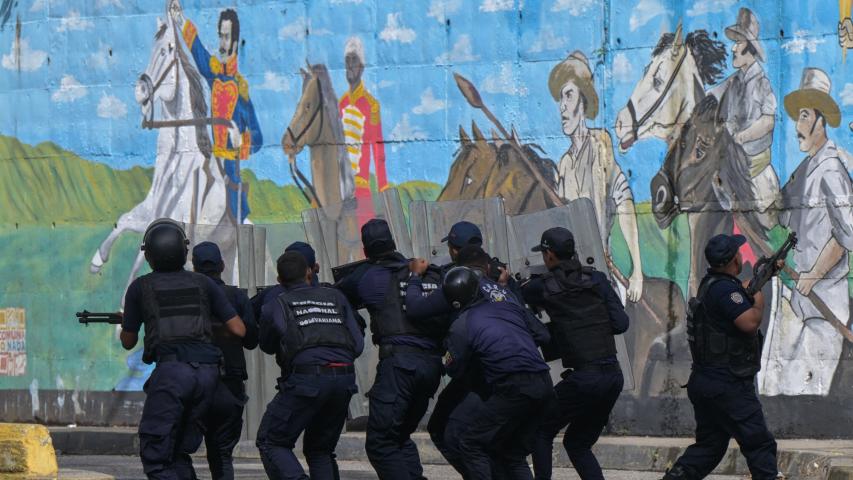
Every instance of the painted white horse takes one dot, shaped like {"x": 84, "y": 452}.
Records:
{"x": 188, "y": 185}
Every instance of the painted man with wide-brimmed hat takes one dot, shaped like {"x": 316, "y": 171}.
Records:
{"x": 588, "y": 169}
{"x": 749, "y": 108}
{"x": 815, "y": 204}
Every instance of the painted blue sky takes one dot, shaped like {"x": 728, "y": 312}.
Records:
{"x": 80, "y": 59}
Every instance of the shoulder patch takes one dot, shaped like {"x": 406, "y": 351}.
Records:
{"x": 736, "y": 297}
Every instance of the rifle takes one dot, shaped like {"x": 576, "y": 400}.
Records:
{"x": 86, "y": 317}
{"x": 766, "y": 267}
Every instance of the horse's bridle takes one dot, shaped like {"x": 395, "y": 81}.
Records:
{"x": 636, "y": 124}
{"x": 152, "y": 87}
{"x": 310, "y": 121}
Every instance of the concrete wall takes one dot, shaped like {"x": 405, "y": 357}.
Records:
{"x": 81, "y": 176}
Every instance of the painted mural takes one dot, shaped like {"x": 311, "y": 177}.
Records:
{"x": 676, "y": 120}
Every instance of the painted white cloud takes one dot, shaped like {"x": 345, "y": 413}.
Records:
{"x": 429, "y": 104}
{"x": 622, "y": 69}
{"x": 101, "y": 57}
{"x": 296, "y": 29}
{"x": 38, "y": 5}
{"x": 405, "y": 131}
{"x": 111, "y": 106}
{"x": 703, "y": 7}
{"x": 439, "y": 9}
{"x": 496, "y": 5}
{"x": 69, "y": 90}
{"x": 462, "y": 51}
{"x": 22, "y": 57}
{"x": 74, "y": 22}
{"x": 547, "y": 40}
{"x": 847, "y": 95}
{"x": 644, "y": 11}
{"x": 384, "y": 84}
{"x": 801, "y": 43}
{"x": 503, "y": 81}
{"x": 395, "y": 31}
{"x": 108, "y": 3}
{"x": 575, "y": 8}
{"x": 275, "y": 82}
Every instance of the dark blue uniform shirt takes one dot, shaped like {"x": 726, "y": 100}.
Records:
{"x": 498, "y": 333}
{"x": 271, "y": 293}
{"x": 274, "y": 325}
{"x": 219, "y": 308}
{"x": 534, "y": 295}
{"x": 370, "y": 290}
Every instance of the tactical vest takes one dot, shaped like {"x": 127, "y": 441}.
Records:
{"x": 713, "y": 345}
{"x": 582, "y": 330}
{"x": 176, "y": 310}
{"x": 314, "y": 318}
{"x": 389, "y": 319}
{"x": 231, "y": 346}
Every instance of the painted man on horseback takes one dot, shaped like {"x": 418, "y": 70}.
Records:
{"x": 362, "y": 124}
{"x": 588, "y": 169}
{"x": 749, "y": 109}
{"x": 229, "y": 100}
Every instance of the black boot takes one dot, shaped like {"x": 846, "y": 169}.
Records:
{"x": 675, "y": 473}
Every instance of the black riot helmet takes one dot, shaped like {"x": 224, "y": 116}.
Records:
{"x": 165, "y": 245}
{"x": 460, "y": 286}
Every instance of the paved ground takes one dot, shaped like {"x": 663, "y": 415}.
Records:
{"x": 129, "y": 468}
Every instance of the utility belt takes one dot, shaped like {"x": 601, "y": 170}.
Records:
{"x": 188, "y": 358}
{"x": 386, "y": 351}
{"x": 592, "y": 367}
{"x": 333, "y": 370}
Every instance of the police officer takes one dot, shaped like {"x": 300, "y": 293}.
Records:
{"x": 725, "y": 342}
{"x": 224, "y": 420}
{"x": 494, "y": 335}
{"x": 585, "y": 314}
{"x": 177, "y": 308}
{"x": 410, "y": 353}
{"x": 315, "y": 339}
{"x": 271, "y": 293}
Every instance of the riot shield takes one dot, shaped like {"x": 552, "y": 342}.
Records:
{"x": 431, "y": 221}
{"x": 578, "y": 216}
{"x": 335, "y": 234}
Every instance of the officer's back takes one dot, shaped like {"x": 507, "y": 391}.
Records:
{"x": 177, "y": 308}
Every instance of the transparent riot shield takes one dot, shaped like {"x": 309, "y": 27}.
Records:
{"x": 525, "y": 232}
{"x": 431, "y": 222}
{"x": 335, "y": 234}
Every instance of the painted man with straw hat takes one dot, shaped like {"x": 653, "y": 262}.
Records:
{"x": 750, "y": 108}
{"x": 588, "y": 169}
{"x": 816, "y": 205}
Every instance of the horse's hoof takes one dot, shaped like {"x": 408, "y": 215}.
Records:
{"x": 97, "y": 263}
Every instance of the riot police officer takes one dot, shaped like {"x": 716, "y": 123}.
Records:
{"x": 725, "y": 342}
{"x": 492, "y": 431}
{"x": 585, "y": 314}
{"x": 271, "y": 293}
{"x": 177, "y": 308}
{"x": 315, "y": 339}
{"x": 224, "y": 420}
{"x": 410, "y": 353}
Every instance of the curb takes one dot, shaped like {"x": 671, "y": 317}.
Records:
{"x": 798, "y": 459}
{"x": 26, "y": 450}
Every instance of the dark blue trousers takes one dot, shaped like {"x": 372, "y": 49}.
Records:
{"x": 582, "y": 404}
{"x": 399, "y": 398}
{"x": 726, "y": 409}
{"x": 315, "y": 404}
{"x": 223, "y": 424}
{"x": 177, "y": 398}
{"x": 491, "y": 438}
